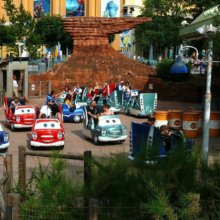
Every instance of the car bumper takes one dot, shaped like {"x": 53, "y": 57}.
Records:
{"x": 143, "y": 114}
{"x": 4, "y": 146}
{"x": 23, "y": 126}
{"x": 106, "y": 139}
{"x": 116, "y": 110}
{"x": 54, "y": 144}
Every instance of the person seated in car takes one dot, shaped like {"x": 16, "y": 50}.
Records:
{"x": 166, "y": 135}
{"x": 150, "y": 121}
{"x": 68, "y": 100}
{"x": 106, "y": 110}
{"x": 66, "y": 90}
{"x": 51, "y": 99}
{"x": 51, "y": 109}
{"x": 77, "y": 90}
{"x": 92, "y": 113}
{"x": 14, "y": 103}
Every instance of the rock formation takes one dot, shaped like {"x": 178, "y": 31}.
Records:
{"x": 93, "y": 58}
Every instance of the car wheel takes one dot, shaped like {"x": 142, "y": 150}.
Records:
{"x": 95, "y": 140}
{"x": 12, "y": 127}
{"x": 61, "y": 147}
{"x": 76, "y": 118}
{"x": 33, "y": 147}
{"x": 122, "y": 141}
{"x": 126, "y": 111}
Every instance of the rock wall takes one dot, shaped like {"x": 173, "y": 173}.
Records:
{"x": 88, "y": 68}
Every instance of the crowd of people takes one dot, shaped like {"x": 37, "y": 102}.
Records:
{"x": 51, "y": 107}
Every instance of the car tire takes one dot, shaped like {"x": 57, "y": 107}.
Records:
{"x": 76, "y": 118}
{"x": 126, "y": 111}
{"x": 12, "y": 127}
{"x": 33, "y": 147}
{"x": 61, "y": 147}
{"x": 95, "y": 140}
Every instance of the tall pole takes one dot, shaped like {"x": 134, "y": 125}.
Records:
{"x": 205, "y": 146}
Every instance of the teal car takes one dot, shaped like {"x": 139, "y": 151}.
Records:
{"x": 104, "y": 129}
{"x": 82, "y": 99}
{"x": 115, "y": 101}
{"x": 141, "y": 105}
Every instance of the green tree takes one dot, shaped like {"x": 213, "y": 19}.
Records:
{"x": 50, "y": 29}
{"x": 22, "y": 23}
{"x": 163, "y": 31}
{"x": 200, "y": 6}
{"x": 6, "y": 35}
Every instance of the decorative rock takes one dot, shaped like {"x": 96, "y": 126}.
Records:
{"x": 93, "y": 59}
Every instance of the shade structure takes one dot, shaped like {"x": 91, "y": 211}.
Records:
{"x": 179, "y": 68}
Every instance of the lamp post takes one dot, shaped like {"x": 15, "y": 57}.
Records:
{"x": 207, "y": 110}
{"x": 207, "y": 30}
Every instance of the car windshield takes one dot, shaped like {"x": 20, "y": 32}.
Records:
{"x": 109, "y": 120}
{"x": 47, "y": 125}
{"x": 24, "y": 110}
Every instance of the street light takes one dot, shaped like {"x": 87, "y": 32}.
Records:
{"x": 206, "y": 30}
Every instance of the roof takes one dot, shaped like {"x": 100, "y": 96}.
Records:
{"x": 206, "y": 18}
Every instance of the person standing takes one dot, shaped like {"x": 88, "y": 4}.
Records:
{"x": 15, "y": 86}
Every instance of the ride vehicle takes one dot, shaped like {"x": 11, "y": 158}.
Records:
{"x": 4, "y": 140}
{"x": 115, "y": 101}
{"x": 105, "y": 129}
{"x": 22, "y": 116}
{"x": 72, "y": 114}
{"x": 82, "y": 99}
{"x": 147, "y": 142}
{"x": 47, "y": 132}
{"x": 141, "y": 104}
{"x": 61, "y": 97}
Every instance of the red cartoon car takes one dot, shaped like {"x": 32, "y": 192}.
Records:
{"x": 19, "y": 116}
{"x": 47, "y": 133}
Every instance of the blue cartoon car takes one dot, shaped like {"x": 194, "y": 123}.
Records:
{"x": 73, "y": 114}
{"x": 4, "y": 140}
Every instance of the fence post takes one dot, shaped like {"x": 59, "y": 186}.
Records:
{"x": 9, "y": 171}
{"x": 12, "y": 210}
{"x": 49, "y": 87}
{"x": 93, "y": 205}
{"x": 22, "y": 168}
{"x": 40, "y": 88}
{"x": 87, "y": 168}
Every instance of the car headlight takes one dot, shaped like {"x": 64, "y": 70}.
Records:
{"x": 18, "y": 119}
{"x": 60, "y": 135}
{"x": 103, "y": 132}
{"x": 6, "y": 137}
{"x": 34, "y": 135}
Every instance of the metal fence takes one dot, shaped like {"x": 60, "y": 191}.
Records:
{"x": 39, "y": 89}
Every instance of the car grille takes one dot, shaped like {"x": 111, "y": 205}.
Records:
{"x": 47, "y": 138}
{"x": 114, "y": 133}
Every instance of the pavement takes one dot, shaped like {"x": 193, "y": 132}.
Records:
{"x": 76, "y": 143}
